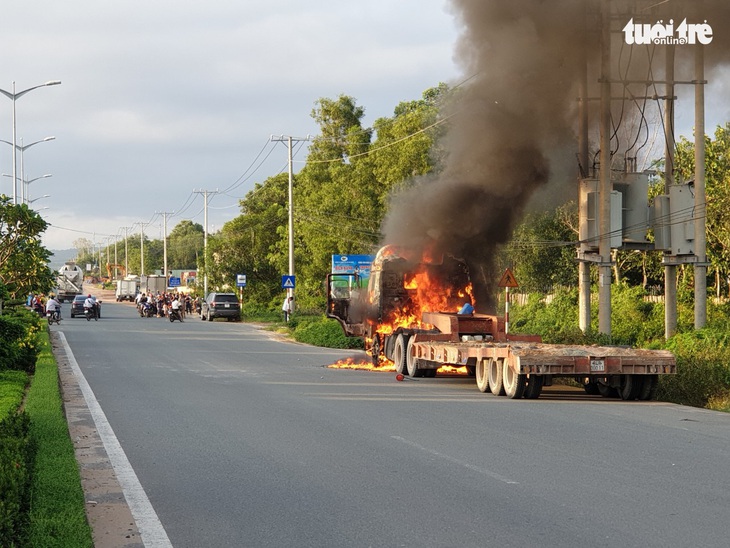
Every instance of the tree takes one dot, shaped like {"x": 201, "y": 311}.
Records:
{"x": 250, "y": 243}
{"x": 185, "y": 245}
{"x": 23, "y": 260}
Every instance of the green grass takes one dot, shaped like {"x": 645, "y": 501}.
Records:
{"x": 57, "y": 515}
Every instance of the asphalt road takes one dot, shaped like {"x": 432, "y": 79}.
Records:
{"x": 239, "y": 439}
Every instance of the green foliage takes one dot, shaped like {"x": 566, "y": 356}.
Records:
{"x": 12, "y": 388}
{"x": 324, "y": 332}
{"x": 636, "y": 322}
{"x": 541, "y": 253}
{"x": 703, "y": 368}
{"x": 16, "y": 463}
{"x": 18, "y": 339}
{"x": 23, "y": 259}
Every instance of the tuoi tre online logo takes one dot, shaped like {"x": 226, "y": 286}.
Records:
{"x": 659, "y": 33}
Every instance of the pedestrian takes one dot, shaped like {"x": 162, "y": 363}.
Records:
{"x": 286, "y": 307}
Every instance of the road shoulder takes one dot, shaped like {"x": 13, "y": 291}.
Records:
{"x": 106, "y": 507}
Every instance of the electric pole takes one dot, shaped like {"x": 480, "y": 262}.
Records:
{"x": 290, "y": 140}
{"x": 164, "y": 243}
{"x": 205, "y": 194}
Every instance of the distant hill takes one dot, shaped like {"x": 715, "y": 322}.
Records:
{"x": 60, "y": 256}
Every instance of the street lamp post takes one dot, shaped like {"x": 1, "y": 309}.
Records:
{"x": 13, "y": 96}
{"x": 27, "y": 184}
{"x": 38, "y": 198}
{"x": 22, "y": 148}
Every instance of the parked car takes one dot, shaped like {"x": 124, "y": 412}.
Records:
{"x": 77, "y": 306}
{"x": 221, "y": 305}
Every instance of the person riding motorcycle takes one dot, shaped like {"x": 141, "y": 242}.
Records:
{"x": 175, "y": 309}
{"x": 53, "y": 306}
{"x": 90, "y": 305}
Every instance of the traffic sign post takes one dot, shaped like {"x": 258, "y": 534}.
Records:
{"x": 508, "y": 280}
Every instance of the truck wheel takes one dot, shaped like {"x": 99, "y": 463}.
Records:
{"x": 649, "y": 386}
{"x": 533, "y": 387}
{"x": 399, "y": 353}
{"x": 375, "y": 350}
{"x": 606, "y": 390}
{"x": 514, "y": 383}
{"x": 482, "y": 374}
{"x": 630, "y": 387}
{"x": 412, "y": 361}
{"x": 495, "y": 377}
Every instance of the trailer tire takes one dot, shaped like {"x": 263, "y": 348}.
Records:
{"x": 482, "y": 374}
{"x": 399, "y": 353}
{"x": 533, "y": 387}
{"x": 412, "y": 361}
{"x": 495, "y": 377}
{"x": 649, "y": 386}
{"x": 630, "y": 387}
{"x": 606, "y": 390}
{"x": 514, "y": 383}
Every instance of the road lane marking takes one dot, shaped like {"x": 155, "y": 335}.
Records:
{"x": 458, "y": 462}
{"x": 150, "y": 528}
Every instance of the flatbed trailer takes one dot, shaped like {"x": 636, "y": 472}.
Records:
{"x": 520, "y": 365}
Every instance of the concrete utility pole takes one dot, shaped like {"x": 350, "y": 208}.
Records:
{"x": 604, "y": 183}
{"x": 164, "y": 243}
{"x": 584, "y": 268}
{"x": 670, "y": 270}
{"x": 126, "y": 249}
{"x": 700, "y": 198}
{"x": 290, "y": 140}
{"x": 205, "y": 194}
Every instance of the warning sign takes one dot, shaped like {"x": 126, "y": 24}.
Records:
{"x": 508, "y": 280}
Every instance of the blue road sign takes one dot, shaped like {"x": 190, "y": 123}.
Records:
{"x": 240, "y": 280}
{"x": 174, "y": 282}
{"x": 288, "y": 282}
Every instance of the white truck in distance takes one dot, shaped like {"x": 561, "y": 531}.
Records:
{"x": 69, "y": 281}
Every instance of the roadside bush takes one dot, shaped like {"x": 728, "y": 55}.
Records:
{"x": 703, "y": 369}
{"x": 16, "y": 463}
{"x": 18, "y": 339}
{"x": 324, "y": 332}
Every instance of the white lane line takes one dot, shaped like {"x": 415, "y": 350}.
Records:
{"x": 452, "y": 460}
{"x": 150, "y": 529}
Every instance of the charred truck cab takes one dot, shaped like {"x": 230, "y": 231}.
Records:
{"x": 408, "y": 313}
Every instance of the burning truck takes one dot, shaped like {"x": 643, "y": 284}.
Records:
{"x": 409, "y": 314}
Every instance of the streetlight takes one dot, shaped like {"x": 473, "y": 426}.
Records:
{"x": 22, "y": 149}
{"x": 27, "y": 183}
{"x": 13, "y": 97}
{"x": 38, "y": 198}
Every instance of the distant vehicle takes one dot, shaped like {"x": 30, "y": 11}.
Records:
{"x": 126, "y": 290}
{"x": 221, "y": 305}
{"x": 77, "y": 306}
{"x": 69, "y": 281}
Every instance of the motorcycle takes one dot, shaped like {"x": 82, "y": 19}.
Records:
{"x": 89, "y": 312}
{"x": 54, "y": 316}
{"x": 147, "y": 310}
{"x": 175, "y": 315}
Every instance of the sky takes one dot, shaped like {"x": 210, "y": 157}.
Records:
{"x": 162, "y": 99}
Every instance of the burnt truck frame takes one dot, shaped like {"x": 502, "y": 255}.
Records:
{"x": 504, "y": 364}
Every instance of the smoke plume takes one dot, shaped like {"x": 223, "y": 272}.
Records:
{"x": 512, "y": 125}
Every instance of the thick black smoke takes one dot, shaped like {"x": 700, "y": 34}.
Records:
{"x": 514, "y": 122}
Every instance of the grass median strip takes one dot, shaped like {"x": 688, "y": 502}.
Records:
{"x": 57, "y": 515}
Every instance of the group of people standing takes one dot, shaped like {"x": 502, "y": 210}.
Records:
{"x": 162, "y": 304}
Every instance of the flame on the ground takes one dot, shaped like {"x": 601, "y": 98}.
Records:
{"x": 388, "y": 366}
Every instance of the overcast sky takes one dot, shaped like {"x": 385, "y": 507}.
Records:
{"x": 161, "y": 97}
